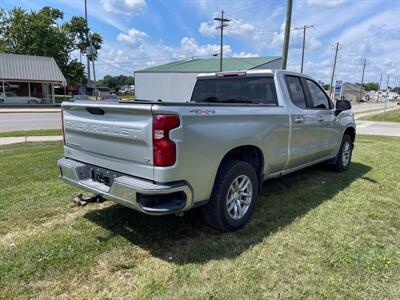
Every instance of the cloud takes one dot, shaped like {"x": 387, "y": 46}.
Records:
{"x": 125, "y": 7}
{"x": 134, "y": 38}
{"x": 115, "y": 59}
{"x": 373, "y": 33}
{"x": 190, "y": 47}
{"x": 245, "y": 54}
{"x": 329, "y": 3}
{"x": 236, "y": 28}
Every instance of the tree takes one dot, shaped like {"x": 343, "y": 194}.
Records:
{"x": 83, "y": 36}
{"x": 397, "y": 90}
{"x": 115, "y": 82}
{"x": 371, "y": 86}
{"x": 44, "y": 33}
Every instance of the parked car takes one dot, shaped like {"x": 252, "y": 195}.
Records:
{"x": 110, "y": 98}
{"x": 238, "y": 130}
{"x": 8, "y": 87}
{"x": 80, "y": 98}
{"x": 12, "y": 98}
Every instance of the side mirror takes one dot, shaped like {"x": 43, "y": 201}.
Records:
{"x": 342, "y": 105}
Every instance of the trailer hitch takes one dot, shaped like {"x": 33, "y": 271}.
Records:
{"x": 80, "y": 200}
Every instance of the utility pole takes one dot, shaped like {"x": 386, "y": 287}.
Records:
{"x": 285, "y": 49}
{"x": 362, "y": 78}
{"x": 387, "y": 96}
{"x": 387, "y": 84}
{"x": 221, "y": 27}
{"x": 379, "y": 88}
{"x": 304, "y": 28}
{"x": 332, "y": 91}
{"x": 87, "y": 56}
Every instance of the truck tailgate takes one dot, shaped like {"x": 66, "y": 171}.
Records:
{"x": 111, "y": 136}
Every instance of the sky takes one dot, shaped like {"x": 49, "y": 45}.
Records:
{"x": 142, "y": 33}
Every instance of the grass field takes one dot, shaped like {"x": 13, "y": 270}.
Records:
{"x": 390, "y": 116}
{"x": 39, "y": 132}
{"x": 315, "y": 234}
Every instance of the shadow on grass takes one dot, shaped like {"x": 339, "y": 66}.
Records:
{"x": 187, "y": 239}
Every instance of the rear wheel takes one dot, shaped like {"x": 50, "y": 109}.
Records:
{"x": 1, "y": 101}
{"x": 343, "y": 158}
{"x": 233, "y": 197}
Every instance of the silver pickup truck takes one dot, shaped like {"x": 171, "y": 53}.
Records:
{"x": 215, "y": 151}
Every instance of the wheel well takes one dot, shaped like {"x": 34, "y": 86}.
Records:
{"x": 249, "y": 154}
{"x": 351, "y": 132}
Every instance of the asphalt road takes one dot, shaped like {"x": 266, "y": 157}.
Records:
{"x": 49, "y": 120}
{"x": 378, "y": 128}
{"x": 29, "y": 121}
{"x": 365, "y": 106}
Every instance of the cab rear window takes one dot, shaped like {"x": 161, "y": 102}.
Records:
{"x": 248, "y": 90}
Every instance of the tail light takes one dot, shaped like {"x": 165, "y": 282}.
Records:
{"x": 164, "y": 150}
{"x": 62, "y": 124}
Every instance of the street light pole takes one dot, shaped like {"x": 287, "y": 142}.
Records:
{"x": 87, "y": 56}
{"x": 93, "y": 53}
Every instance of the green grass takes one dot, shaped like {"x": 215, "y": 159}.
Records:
{"x": 315, "y": 234}
{"x": 60, "y": 98}
{"x": 39, "y": 132}
{"x": 127, "y": 97}
{"x": 390, "y": 116}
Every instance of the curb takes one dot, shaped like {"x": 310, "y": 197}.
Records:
{"x": 12, "y": 111}
{"x": 24, "y": 139}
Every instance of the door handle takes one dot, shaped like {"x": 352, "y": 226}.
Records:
{"x": 298, "y": 120}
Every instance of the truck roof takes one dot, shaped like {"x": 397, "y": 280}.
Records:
{"x": 251, "y": 73}
{"x": 245, "y": 72}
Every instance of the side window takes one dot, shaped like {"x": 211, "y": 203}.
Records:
{"x": 262, "y": 90}
{"x": 318, "y": 97}
{"x": 296, "y": 91}
{"x": 248, "y": 90}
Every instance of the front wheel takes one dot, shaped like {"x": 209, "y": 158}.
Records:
{"x": 343, "y": 158}
{"x": 233, "y": 197}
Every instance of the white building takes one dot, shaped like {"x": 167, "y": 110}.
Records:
{"x": 174, "y": 82}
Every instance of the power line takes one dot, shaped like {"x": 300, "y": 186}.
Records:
{"x": 318, "y": 32}
{"x": 223, "y": 24}
{"x": 111, "y": 65}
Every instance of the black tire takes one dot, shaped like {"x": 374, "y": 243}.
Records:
{"x": 341, "y": 164}
{"x": 216, "y": 211}
{"x": 1, "y": 101}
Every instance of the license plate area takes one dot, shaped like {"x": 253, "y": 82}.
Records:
{"x": 103, "y": 176}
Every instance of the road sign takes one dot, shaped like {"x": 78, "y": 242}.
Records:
{"x": 338, "y": 86}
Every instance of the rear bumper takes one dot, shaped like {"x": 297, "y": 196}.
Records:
{"x": 130, "y": 191}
